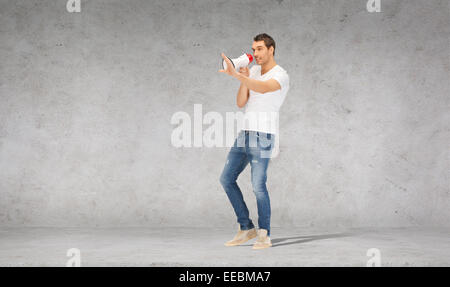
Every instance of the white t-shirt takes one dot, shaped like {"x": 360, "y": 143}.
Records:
{"x": 261, "y": 110}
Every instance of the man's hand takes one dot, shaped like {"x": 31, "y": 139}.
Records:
{"x": 245, "y": 71}
{"x": 252, "y": 84}
{"x": 230, "y": 70}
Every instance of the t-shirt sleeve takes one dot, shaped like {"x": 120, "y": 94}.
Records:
{"x": 283, "y": 78}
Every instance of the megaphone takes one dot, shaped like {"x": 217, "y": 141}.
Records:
{"x": 240, "y": 62}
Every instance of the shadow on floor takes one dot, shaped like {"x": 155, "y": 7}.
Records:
{"x": 277, "y": 241}
{"x": 305, "y": 238}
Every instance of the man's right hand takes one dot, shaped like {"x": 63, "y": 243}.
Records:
{"x": 245, "y": 71}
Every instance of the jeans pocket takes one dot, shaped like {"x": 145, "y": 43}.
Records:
{"x": 265, "y": 140}
{"x": 264, "y": 135}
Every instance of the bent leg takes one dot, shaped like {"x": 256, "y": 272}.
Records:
{"x": 236, "y": 163}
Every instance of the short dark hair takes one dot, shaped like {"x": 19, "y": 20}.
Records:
{"x": 268, "y": 41}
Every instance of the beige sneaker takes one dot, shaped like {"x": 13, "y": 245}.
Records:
{"x": 241, "y": 237}
{"x": 263, "y": 240}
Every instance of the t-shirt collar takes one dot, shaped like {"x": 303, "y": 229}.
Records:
{"x": 267, "y": 71}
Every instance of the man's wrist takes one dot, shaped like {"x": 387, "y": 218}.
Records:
{"x": 240, "y": 76}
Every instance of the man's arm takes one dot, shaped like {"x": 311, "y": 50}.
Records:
{"x": 242, "y": 96}
{"x": 252, "y": 84}
{"x": 258, "y": 86}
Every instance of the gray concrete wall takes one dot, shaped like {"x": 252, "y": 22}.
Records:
{"x": 87, "y": 98}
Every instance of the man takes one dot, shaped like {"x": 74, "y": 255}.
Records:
{"x": 262, "y": 92}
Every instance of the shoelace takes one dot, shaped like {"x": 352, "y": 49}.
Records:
{"x": 240, "y": 234}
{"x": 261, "y": 238}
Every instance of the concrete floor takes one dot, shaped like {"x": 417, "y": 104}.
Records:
{"x": 204, "y": 247}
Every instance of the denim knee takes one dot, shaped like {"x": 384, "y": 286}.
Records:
{"x": 226, "y": 179}
{"x": 259, "y": 188}
{"x": 259, "y": 182}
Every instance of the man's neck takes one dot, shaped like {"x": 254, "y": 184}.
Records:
{"x": 267, "y": 66}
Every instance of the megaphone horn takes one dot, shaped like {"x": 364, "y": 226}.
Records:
{"x": 238, "y": 63}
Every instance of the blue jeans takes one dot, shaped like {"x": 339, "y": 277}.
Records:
{"x": 254, "y": 147}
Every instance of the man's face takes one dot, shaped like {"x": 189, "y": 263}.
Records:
{"x": 261, "y": 53}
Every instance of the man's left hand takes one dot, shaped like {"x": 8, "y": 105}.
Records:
{"x": 230, "y": 70}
